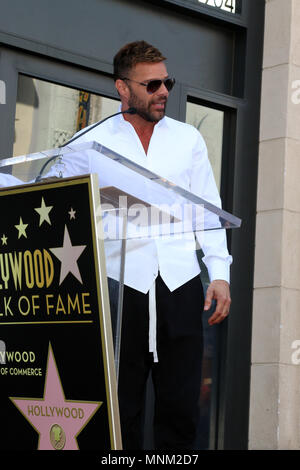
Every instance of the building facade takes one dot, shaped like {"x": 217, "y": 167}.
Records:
{"x": 275, "y": 373}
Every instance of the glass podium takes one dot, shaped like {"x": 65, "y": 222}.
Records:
{"x": 120, "y": 177}
{"x": 133, "y": 207}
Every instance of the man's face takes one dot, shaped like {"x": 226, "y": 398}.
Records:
{"x": 152, "y": 107}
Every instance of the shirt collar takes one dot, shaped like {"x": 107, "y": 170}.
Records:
{"x": 120, "y": 120}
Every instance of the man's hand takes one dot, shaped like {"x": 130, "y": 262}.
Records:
{"x": 218, "y": 290}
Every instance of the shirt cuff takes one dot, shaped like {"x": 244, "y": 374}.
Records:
{"x": 218, "y": 268}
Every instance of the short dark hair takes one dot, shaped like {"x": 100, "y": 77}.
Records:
{"x": 134, "y": 53}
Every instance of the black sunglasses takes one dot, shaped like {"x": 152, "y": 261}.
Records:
{"x": 153, "y": 85}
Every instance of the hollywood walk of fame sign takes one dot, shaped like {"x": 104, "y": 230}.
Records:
{"x": 58, "y": 387}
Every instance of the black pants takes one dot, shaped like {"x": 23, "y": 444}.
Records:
{"x": 177, "y": 375}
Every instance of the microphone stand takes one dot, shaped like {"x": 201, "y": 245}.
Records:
{"x": 128, "y": 111}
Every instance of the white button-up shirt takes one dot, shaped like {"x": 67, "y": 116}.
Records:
{"x": 178, "y": 153}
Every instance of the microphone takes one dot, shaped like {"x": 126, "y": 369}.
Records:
{"x": 127, "y": 111}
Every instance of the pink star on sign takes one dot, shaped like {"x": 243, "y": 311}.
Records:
{"x": 57, "y": 420}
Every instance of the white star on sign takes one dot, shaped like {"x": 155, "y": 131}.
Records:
{"x": 43, "y": 211}
{"x": 21, "y": 228}
{"x": 72, "y": 213}
{"x": 68, "y": 255}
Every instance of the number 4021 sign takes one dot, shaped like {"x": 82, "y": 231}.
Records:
{"x": 227, "y": 5}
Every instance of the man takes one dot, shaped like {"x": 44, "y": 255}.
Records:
{"x": 163, "y": 296}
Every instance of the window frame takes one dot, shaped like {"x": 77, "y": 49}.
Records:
{"x": 13, "y": 63}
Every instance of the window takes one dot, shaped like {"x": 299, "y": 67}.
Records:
{"x": 209, "y": 123}
{"x": 48, "y": 114}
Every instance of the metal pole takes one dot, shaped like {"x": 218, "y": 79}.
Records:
{"x": 120, "y": 295}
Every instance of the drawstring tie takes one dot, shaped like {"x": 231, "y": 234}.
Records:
{"x": 152, "y": 322}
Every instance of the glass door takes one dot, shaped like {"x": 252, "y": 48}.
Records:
{"x": 210, "y": 123}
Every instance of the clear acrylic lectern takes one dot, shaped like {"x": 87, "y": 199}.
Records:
{"x": 136, "y": 204}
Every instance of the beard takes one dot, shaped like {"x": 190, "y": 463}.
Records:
{"x": 144, "y": 109}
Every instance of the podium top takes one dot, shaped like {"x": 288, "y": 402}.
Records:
{"x": 125, "y": 187}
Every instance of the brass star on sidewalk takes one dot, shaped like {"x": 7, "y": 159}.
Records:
{"x": 21, "y": 228}
{"x": 43, "y": 211}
